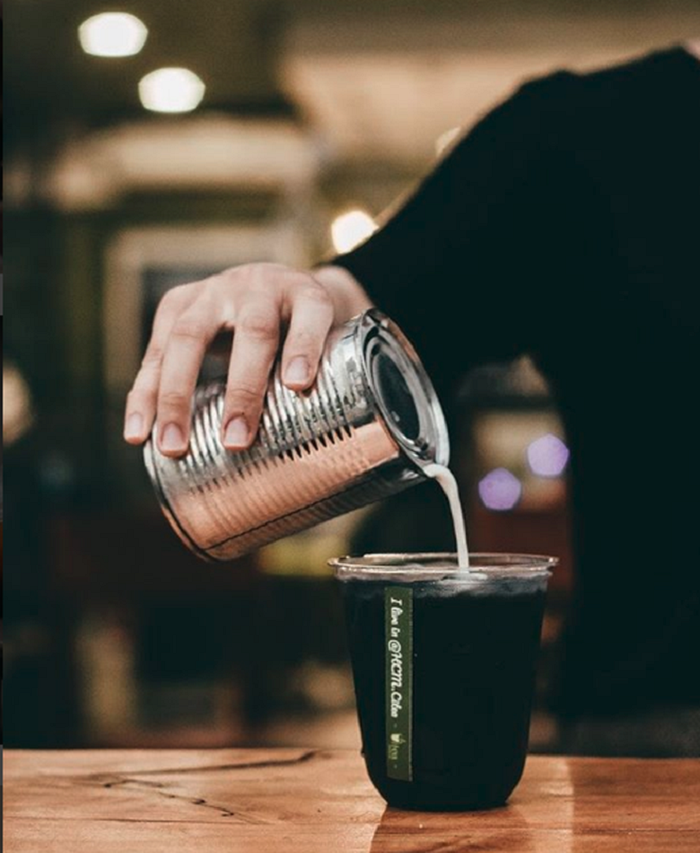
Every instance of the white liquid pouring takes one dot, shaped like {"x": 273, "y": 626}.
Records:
{"x": 445, "y": 478}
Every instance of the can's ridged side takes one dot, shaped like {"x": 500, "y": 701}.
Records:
{"x": 317, "y": 455}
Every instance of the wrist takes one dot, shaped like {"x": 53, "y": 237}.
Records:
{"x": 348, "y": 295}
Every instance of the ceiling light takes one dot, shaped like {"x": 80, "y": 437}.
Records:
{"x": 112, "y": 34}
{"x": 171, "y": 90}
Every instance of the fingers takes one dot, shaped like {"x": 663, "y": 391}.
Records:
{"x": 190, "y": 335}
{"x": 255, "y": 302}
{"x": 255, "y": 344}
{"x": 141, "y": 400}
{"x": 312, "y": 318}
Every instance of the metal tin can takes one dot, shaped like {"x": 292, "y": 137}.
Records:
{"x": 364, "y": 431}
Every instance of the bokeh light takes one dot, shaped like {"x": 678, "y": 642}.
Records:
{"x": 112, "y": 34}
{"x": 500, "y": 490}
{"x": 171, "y": 90}
{"x": 446, "y": 140}
{"x": 547, "y": 456}
{"x": 350, "y": 229}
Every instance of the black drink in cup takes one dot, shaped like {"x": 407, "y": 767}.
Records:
{"x": 444, "y": 665}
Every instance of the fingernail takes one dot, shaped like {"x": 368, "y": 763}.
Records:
{"x": 236, "y": 434}
{"x": 134, "y": 426}
{"x": 297, "y": 370}
{"x": 172, "y": 438}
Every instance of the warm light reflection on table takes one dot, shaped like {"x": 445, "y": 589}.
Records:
{"x": 303, "y": 801}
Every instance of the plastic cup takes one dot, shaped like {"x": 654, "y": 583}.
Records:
{"x": 444, "y": 669}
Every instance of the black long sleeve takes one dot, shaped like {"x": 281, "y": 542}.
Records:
{"x": 566, "y": 223}
{"x": 477, "y": 230}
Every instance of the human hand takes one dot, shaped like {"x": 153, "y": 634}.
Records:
{"x": 266, "y": 306}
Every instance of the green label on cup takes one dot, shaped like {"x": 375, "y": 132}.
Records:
{"x": 398, "y": 652}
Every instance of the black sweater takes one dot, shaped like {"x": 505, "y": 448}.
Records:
{"x": 567, "y": 222}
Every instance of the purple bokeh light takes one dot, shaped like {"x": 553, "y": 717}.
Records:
{"x": 500, "y": 490}
{"x": 547, "y": 456}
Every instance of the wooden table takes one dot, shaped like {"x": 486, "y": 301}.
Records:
{"x": 303, "y": 801}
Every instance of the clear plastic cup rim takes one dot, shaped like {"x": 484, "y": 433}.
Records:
{"x": 443, "y": 567}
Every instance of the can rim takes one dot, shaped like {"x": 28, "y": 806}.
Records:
{"x": 433, "y": 448}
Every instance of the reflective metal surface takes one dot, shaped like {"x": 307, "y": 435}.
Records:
{"x": 363, "y": 432}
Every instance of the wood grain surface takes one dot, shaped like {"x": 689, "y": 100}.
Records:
{"x": 303, "y": 801}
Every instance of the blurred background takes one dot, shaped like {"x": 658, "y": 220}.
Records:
{"x": 161, "y": 144}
